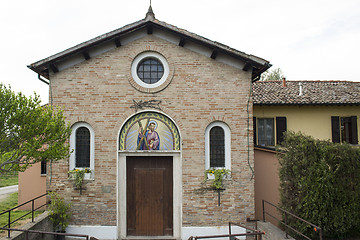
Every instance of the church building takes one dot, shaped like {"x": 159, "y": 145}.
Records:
{"x": 153, "y": 110}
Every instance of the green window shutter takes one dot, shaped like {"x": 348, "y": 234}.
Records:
{"x": 335, "y": 129}
{"x": 280, "y": 129}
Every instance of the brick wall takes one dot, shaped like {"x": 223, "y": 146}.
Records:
{"x": 100, "y": 91}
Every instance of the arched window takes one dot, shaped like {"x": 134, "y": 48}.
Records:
{"x": 217, "y": 146}
{"x": 82, "y": 147}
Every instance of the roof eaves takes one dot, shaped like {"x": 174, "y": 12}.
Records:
{"x": 43, "y": 64}
{"x": 260, "y": 65}
{"x": 254, "y": 60}
{"x": 307, "y": 104}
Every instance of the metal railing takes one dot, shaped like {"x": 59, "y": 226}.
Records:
{"x": 87, "y": 237}
{"x": 253, "y": 232}
{"x": 285, "y": 222}
{"x": 33, "y": 209}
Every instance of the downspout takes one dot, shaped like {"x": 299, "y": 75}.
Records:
{"x": 51, "y": 102}
{"x": 50, "y": 90}
{"x": 248, "y": 132}
{"x": 43, "y": 80}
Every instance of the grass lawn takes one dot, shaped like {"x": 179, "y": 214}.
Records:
{"x": 11, "y": 202}
{"x": 8, "y": 180}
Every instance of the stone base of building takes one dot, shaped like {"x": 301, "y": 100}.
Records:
{"x": 110, "y": 232}
{"x": 99, "y": 232}
{"x": 209, "y": 231}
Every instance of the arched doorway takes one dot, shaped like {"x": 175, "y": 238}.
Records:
{"x": 149, "y": 177}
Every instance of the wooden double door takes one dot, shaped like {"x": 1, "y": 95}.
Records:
{"x": 149, "y": 193}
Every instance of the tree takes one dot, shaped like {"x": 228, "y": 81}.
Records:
{"x": 272, "y": 75}
{"x": 29, "y": 133}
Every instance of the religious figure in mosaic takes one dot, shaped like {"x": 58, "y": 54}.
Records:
{"x": 149, "y": 131}
{"x": 148, "y": 139}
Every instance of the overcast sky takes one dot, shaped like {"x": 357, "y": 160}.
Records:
{"x": 307, "y": 39}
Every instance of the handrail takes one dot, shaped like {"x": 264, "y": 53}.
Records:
{"x": 316, "y": 228}
{"x": 230, "y": 236}
{"x": 24, "y": 203}
{"x": 33, "y": 209}
{"x": 50, "y": 233}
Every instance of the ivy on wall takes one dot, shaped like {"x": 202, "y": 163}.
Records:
{"x": 320, "y": 182}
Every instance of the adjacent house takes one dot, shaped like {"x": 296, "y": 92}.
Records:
{"x": 322, "y": 109}
{"x": 328, "y": 110}
{"x": 32, "y": 184}
{"x": 153, "y": 106}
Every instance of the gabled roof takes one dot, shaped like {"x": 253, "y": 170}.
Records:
{"x": 149, "y": 23}
{"x": 306, "y": 93}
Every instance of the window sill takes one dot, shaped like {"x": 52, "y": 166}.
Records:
{"x": 87, "y": 176}
{"x": 265, "y": 147}
{"x": 211, "y": 176}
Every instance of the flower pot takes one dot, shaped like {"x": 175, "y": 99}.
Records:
{"x": 87, "y": 176}
{"x": 71, "y": 175}
{"x": 59, "y": 237}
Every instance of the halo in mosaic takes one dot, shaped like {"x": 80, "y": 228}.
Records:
{"x": 149, "y": 131}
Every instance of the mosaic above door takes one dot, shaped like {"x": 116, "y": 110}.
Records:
{"x": 149, "y": 131}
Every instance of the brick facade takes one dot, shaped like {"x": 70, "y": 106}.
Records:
{"x": 201, "y": 90}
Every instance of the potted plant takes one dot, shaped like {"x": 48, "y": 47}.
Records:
{"x": 79, "y": 175}
{"x": 217, "y": 175}
{"x": 87, "y": 174}
{"x": 59, "y": 213}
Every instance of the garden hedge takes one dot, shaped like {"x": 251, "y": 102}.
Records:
{"x": 320, "y": 182}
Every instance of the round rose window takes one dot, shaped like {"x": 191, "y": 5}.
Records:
{"x": 150, "y": 70}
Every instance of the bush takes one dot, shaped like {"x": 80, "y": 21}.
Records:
{"x": 59, "y": 212}
{"x": 320, "y": 182}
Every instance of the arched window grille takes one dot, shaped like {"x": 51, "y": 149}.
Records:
{"x": 82, "y": 149}
{"x": 82, "y": 142}
{"x": 217, "y": 147}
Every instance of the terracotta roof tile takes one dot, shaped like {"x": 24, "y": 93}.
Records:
{"x": 306, "y": 93}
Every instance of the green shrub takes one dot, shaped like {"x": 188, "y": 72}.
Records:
{"x": 320, "y": 182}
{"x": 59, "y": 212}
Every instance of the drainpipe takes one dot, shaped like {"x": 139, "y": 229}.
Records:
{"x": 248, "y": 132}
{"x": 50, "y": 92}
{"x": 43, "y": 80}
